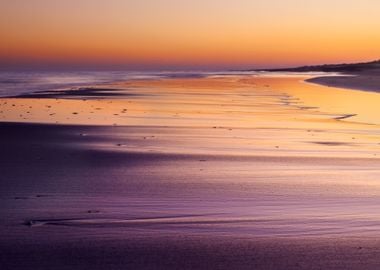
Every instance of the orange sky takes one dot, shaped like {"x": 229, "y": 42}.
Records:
{"x": 161, "y": 34}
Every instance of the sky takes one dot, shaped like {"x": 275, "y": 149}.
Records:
{"x": 186, "y": 34}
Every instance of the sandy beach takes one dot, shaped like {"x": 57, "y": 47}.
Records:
{"x": 215, "y": 172}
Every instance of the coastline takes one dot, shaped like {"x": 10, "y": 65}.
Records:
{"x": 356, "y": 76}
{"x": 229, "y": 173}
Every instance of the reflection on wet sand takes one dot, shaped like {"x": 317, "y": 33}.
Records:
{"x": 234, "y": 167}
{"x": 258, "y": 112}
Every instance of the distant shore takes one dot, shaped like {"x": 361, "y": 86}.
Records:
{"x": 366, "y": 81}
{"x": 357, "y": 76}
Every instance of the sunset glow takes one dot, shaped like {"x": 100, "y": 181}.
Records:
{"x": 160, "y": 34}
{"x": 190, "y": 134}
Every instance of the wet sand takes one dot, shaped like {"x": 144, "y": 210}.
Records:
{"x": 205, "y": 173}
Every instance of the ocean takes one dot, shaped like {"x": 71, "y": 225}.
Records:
{"x": 17, "y": 83}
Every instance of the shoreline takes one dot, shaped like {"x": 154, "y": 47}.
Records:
{"x": 356, "y": 76}
{"x": 239, "y": 170}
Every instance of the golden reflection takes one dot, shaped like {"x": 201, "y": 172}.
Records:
{"x": 244, "y": 115}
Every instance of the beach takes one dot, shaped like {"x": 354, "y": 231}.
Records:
{"x": 261, "y": 171}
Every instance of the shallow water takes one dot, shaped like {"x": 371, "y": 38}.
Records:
{"x": 17, "y": 83}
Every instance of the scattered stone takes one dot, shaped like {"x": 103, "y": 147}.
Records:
{"x": 30, "y": 223}
{"x": 20, "y": 198}
{"x": 93, "y": 211}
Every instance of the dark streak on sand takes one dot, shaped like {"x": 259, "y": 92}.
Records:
{"x": 345, "y": 116}
{"x": 333, "y": 143}
{"x": 88, "y": 92}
